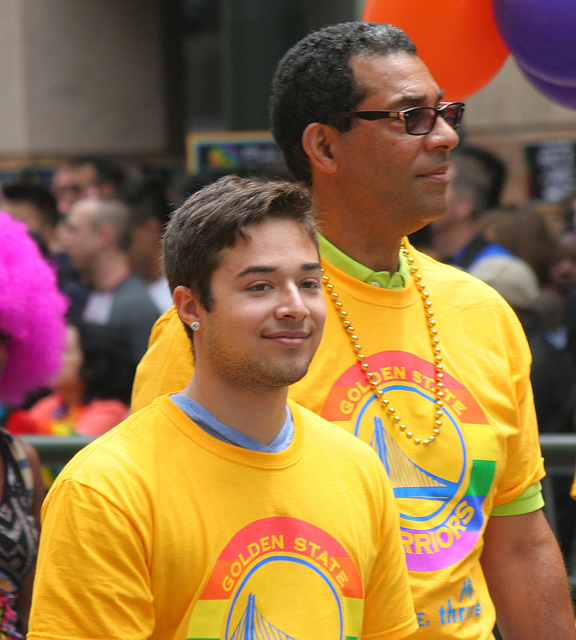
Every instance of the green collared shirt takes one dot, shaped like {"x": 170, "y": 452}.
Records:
{"x": 384, "y": 279}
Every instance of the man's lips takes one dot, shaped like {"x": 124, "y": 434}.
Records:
{"x": 288, "y": 338}
{"x": 440, "y": 173}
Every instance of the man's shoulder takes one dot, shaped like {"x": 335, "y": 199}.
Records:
{"x": 122, "y": 449}
{"x": 169, "y": 327}
{"x": 169, "y": 319}
{"x": 168, "y": 342}
{"x": 445, "y": 276}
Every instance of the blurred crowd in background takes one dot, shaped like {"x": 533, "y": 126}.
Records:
{"x": 100, "y": 227}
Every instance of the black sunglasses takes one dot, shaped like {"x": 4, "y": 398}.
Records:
{"x": 418, "y": 120}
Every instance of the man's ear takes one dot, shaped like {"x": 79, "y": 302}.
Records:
{"x": 187, "y": 304}
{"x": 320, "y": 142}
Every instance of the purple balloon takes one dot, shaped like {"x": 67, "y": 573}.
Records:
{"x": 541, "y": 35}
{"x": 560, "y": 93}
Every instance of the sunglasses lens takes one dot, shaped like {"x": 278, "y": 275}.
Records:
{"x": 420, "y": 120}
{"x": 453, "y": 115}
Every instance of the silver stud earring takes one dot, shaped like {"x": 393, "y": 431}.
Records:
{"x": 195, "y": 325}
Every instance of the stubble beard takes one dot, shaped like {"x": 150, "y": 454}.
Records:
{"x": 252, "y": 374}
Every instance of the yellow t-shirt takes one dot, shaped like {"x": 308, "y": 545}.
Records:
{"x": 158, "y": 530}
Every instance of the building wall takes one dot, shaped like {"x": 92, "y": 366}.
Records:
{"x": 81, "y": 77}
{"x": 13, "y": 120}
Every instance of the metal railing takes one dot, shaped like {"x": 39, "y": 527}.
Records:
{"x": 558, "y": 449}
{"x": 57, "y": 450}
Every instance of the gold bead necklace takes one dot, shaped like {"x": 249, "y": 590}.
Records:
{"x": 436, "y": 352}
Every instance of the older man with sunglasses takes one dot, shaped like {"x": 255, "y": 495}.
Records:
{"x": 427, "y": 364}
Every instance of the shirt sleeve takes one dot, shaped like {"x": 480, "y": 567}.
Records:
{"x": 531, "y": 500}
{"x": 91, "y": 579}
{"x": 518, "y": 427}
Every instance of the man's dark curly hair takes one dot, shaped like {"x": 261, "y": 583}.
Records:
{"x": 314, "y": 80}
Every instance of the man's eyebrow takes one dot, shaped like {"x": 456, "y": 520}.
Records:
{"x": 307, "y": 266}
{"x": 257, "y": 269}
{"x": 407, "y": 101}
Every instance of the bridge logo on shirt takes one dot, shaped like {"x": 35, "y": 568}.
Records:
{"x": 440, "y": 489}
{"x": 255, "y": 588}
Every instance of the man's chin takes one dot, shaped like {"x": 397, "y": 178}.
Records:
{"x": 291, "y": 375}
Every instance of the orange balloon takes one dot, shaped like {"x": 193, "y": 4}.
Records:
{"x": 457, "y": 39}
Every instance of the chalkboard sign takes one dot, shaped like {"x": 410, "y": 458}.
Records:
{"x": 552, "y": 169}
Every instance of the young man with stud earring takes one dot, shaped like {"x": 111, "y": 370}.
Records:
{"x": 222, "y": 510}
